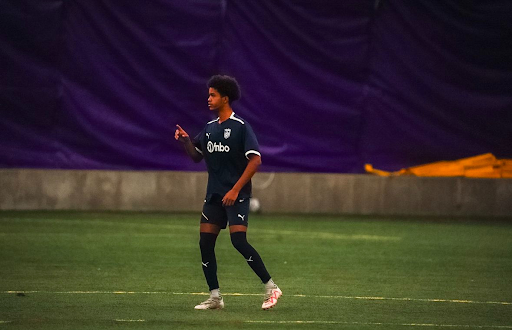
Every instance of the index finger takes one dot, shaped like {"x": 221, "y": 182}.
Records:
{"x": 179, "y": 127}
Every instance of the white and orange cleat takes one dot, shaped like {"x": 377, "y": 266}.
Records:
{"x": 271, "y": 298}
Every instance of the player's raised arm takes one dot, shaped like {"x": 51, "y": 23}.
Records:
{"x": 184, "y": 138}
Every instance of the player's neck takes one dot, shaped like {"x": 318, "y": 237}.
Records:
{"x": 224, "y": 113}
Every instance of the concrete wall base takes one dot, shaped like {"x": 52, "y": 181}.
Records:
{"x": 360, "y": 194}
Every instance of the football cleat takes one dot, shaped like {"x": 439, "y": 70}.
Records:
{"x": 211, "y": 303}
{"x": 271, "y": 298}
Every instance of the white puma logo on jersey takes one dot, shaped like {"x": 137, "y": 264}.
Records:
{"x": 205, "y": 264}
{"x": 242, "y": 217}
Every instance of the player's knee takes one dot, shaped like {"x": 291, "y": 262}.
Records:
{"x": 239, "y": 241}
{"x": 207, "y": 241}
{"x": 202, "y": 244}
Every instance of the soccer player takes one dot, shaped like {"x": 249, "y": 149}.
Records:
{"x": 231, "y": 152}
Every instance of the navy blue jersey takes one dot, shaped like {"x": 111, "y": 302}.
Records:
{"x": 226, "y": 148}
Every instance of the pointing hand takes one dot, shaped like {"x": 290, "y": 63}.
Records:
{"x": 180, "y": 134}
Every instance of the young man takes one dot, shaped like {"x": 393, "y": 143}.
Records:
{"x": 231, "y": 152}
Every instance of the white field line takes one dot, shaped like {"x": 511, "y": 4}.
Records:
{"x": 124, "y": 320}
{"x": 432, "y": 325}
{"x": 435, "y": 300}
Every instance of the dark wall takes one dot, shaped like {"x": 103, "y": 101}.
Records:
{"x": 327, "y": 85}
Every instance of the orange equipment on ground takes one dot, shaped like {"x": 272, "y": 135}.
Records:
{"x": 481, "y": 166}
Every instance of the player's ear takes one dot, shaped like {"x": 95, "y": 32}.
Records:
{"x": 225, "y": 99}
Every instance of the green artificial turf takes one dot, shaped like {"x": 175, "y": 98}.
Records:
{"x": 80, "y": 270}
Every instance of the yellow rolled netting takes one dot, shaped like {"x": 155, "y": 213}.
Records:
{"x": 481, "y": 166}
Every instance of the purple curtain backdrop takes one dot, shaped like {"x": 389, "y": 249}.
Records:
{"x": 327, "y": 85}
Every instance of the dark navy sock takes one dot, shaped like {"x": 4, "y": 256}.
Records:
{"x": 207, "y": 246}
{"x": 239, "y": 240}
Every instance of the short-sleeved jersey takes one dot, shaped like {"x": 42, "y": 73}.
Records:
{"x": 226, "y": 148}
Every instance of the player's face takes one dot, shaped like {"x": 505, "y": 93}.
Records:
{"x": 215, "y": 100}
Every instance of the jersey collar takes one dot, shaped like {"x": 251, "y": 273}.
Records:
{"x": 230, "y": 117}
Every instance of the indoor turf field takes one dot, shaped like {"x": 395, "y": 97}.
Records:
{"x": 74, "y": 270}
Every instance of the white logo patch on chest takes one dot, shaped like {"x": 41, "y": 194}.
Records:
{"x": 227, "y": 133}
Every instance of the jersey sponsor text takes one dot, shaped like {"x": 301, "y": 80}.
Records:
{"x": 216, "y": 147}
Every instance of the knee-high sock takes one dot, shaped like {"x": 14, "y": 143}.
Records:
{"x": 207, "y": 246}
{"x": 239, "y": 240}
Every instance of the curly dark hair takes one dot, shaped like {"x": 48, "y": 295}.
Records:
{"x": 226, "y": 86}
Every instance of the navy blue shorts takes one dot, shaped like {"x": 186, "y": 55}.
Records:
{"x": 215, "y": 213}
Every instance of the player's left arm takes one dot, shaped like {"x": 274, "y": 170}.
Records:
{"x": 251, "y": 169}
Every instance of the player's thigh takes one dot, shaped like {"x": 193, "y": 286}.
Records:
{"x": 213, "y": 214}
{"x": 238, "y": 214}
{"x": 209, "y": 228}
